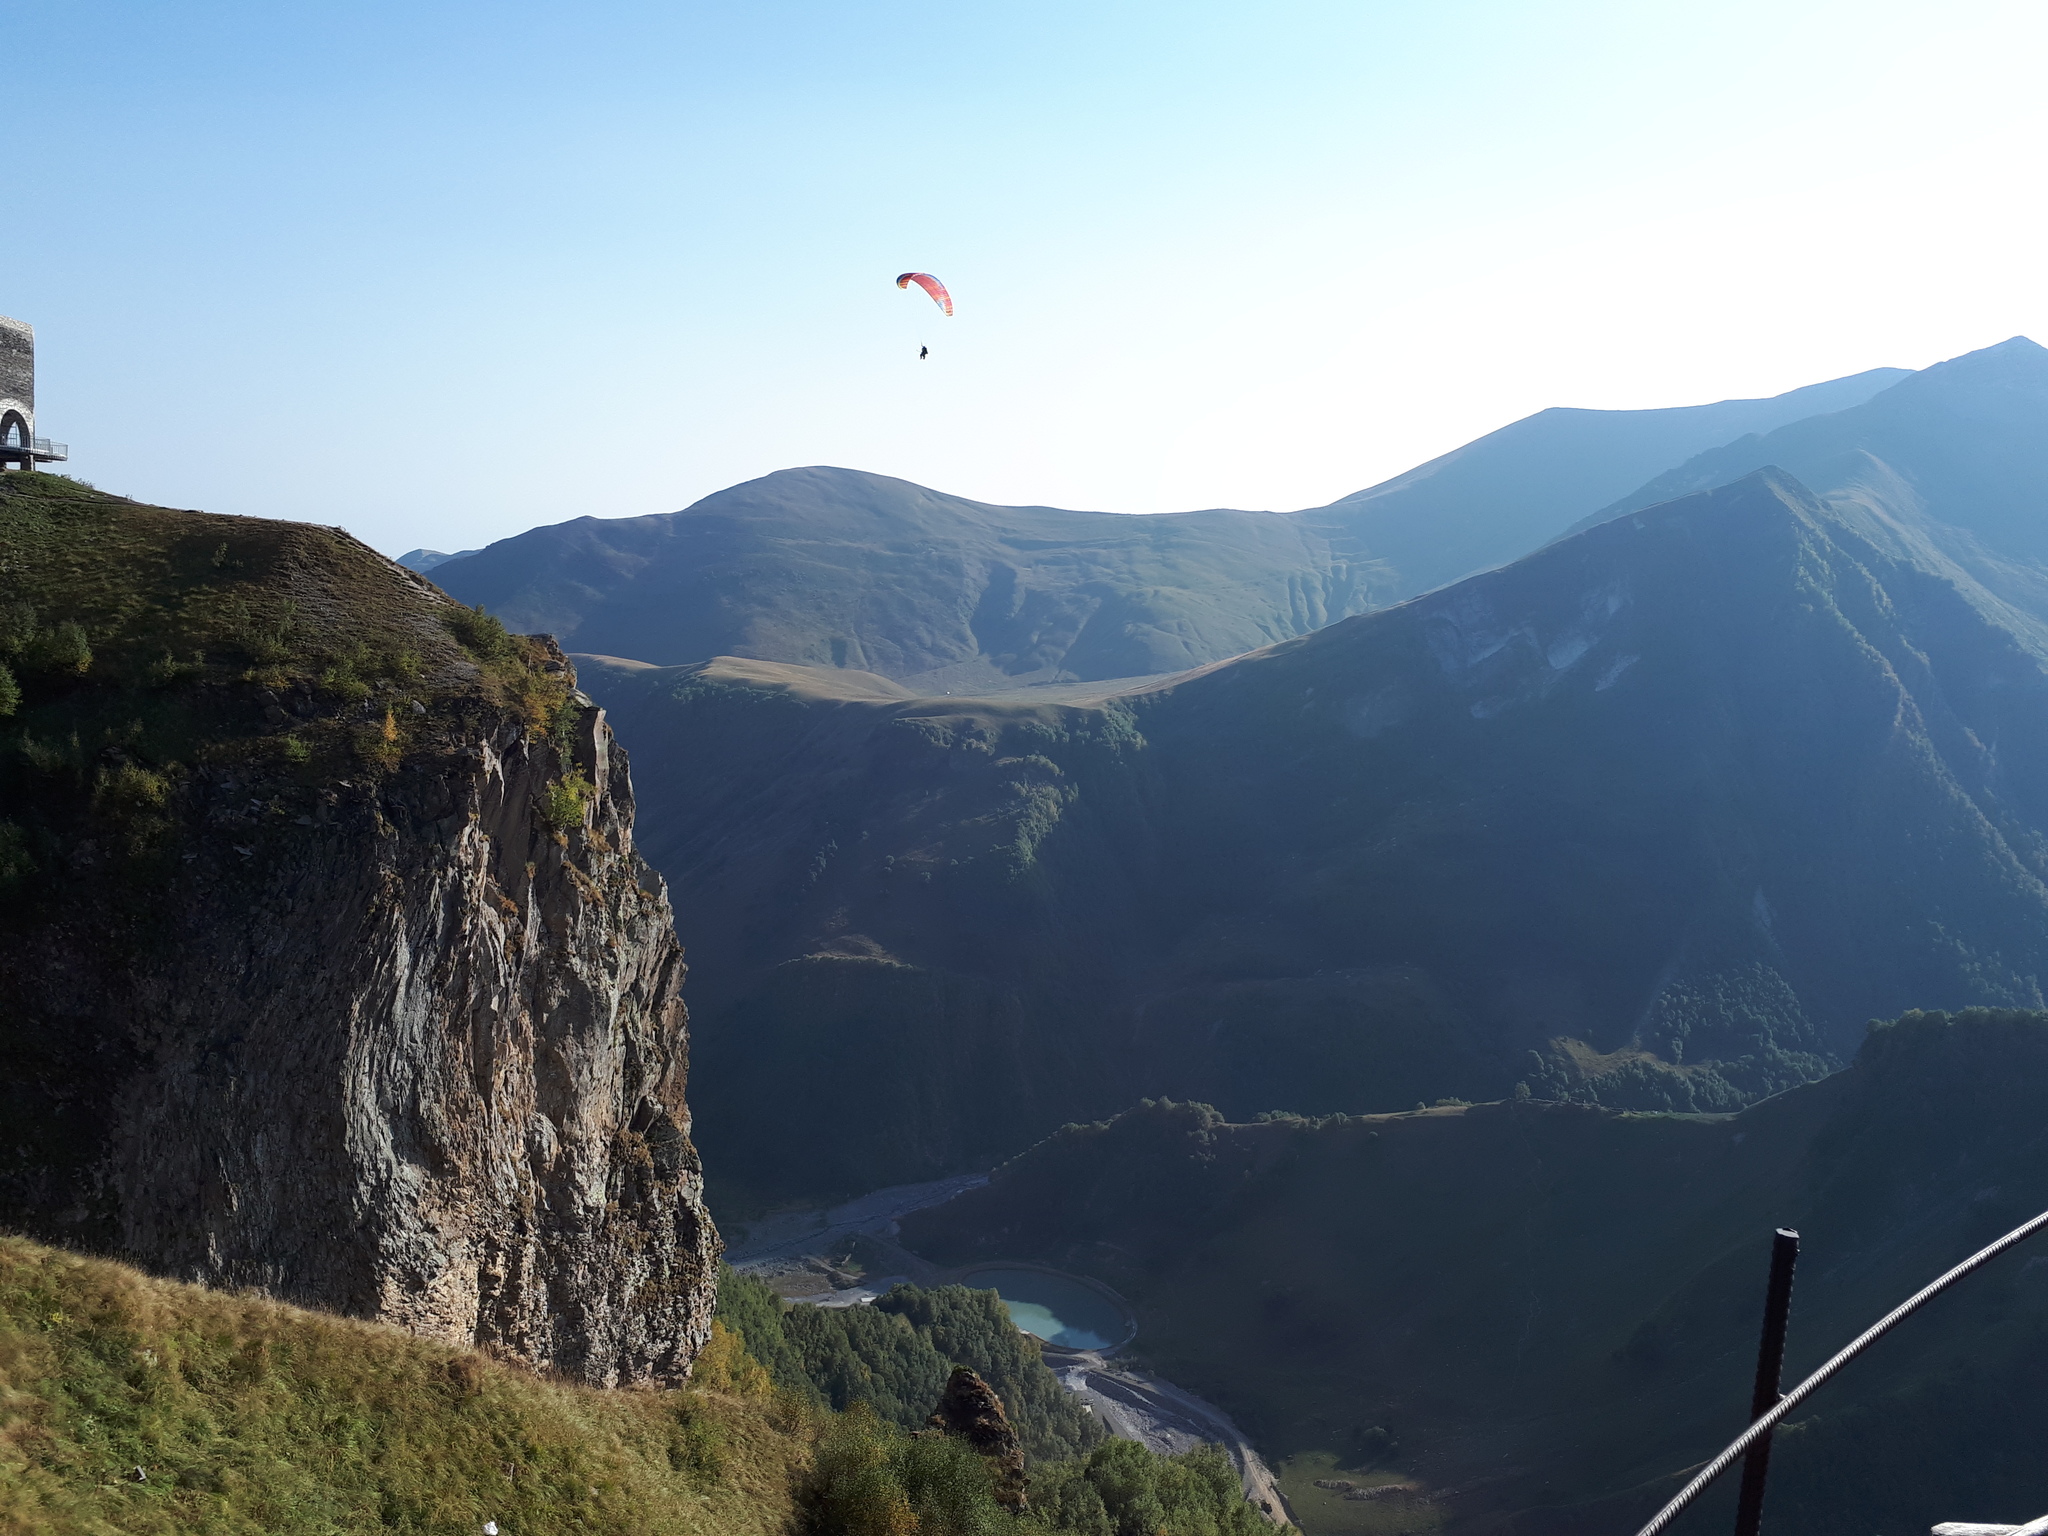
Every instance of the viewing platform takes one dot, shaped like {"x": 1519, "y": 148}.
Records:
{"x": 20, "y": 448}
{"x": 37, "y": 450}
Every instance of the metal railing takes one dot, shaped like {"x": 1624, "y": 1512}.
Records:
{"x": 37, "y": 450}
{"x": 1759, "y": 1431}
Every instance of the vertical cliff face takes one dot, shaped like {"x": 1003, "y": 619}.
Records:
{"x": 358, "y": 992}
{"x": 423, "y": 1060}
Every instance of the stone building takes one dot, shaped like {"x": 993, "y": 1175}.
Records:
{"x": 20, "y": 448}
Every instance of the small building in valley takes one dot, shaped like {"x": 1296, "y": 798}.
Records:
{"x": 20, "y": 448}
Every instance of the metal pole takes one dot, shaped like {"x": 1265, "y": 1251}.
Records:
{"x": 1770, "y": 1370}
{"x": 1704, "y": 1478}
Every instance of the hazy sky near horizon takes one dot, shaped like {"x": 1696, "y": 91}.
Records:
{"x": 439, "y": 271}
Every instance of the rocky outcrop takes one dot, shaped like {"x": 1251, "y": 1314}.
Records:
{"x": 395, "y": 1034}
{"x": 409, "y": 1053}
{"x": 970, "y": 1410}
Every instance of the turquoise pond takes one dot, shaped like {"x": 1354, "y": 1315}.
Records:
{"x": 1053, "y": 1308}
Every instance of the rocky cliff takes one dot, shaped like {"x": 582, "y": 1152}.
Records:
{"x": 330, "y": 967}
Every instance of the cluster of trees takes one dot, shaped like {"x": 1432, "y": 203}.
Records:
{"x": 895, "y": 1356}
{"x": 870, "y": 1478}
{"x": 879, "y": 1471}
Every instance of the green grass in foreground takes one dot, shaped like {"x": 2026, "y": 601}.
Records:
{"x": 250, "y": 1416}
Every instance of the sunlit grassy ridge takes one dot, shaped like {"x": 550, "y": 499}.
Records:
{"x": 250, "y": 1416}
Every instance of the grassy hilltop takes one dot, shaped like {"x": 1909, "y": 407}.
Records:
{"x": 138, "y": 642}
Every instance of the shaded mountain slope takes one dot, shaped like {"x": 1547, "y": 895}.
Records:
{"x": 835, "y": 568}
{"x": 1953, "y": 459}
{"x": 1539, "y": 1313}
{"x": 1660, "y": 816}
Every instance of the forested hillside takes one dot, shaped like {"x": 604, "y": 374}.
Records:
{"x": 1535, "y": 1315}
{"x": 1657, "y": 817}
{"x": 895, "y": 1355}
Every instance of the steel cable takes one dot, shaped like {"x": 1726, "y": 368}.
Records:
{"x": 1806, "y": 1388}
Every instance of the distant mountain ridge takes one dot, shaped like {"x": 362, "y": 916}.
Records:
{"x": 835, "y": 568}
{"x": 1953, "y": 460}
{"x": 424, "y": 560}
{"x": 1506, "y": 493}
{"x": 832, "y": 567}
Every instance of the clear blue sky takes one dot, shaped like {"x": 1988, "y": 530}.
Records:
{"x": 440, "y": 271}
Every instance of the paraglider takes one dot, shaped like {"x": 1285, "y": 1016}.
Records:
{"x": 939, "y": 296}
{"x": 930, "y": 285}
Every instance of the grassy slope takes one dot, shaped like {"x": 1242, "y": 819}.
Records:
{"x": 1709, "y": 786}
{"x": 199, "y": 627}
{"x": 252, "y": 1417}
{"x": 145, "y": 580}
{"x": 1553, "y": 1308}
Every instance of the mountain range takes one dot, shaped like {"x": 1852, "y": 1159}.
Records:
{"x": 836, "y": 568}
{"x": 1197, "y": 873}
{"x": 1657, "y": 816}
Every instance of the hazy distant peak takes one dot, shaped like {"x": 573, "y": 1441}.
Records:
{"x": 424, "y": 560}
{"x": 2018, "y": 362}
{"x": 1724, "y": 420}
{"x": 835, "y": 484}
{"x": 1954, "y": 456}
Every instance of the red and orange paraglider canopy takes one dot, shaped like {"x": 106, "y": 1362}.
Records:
{"x": 930, "y": 285}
